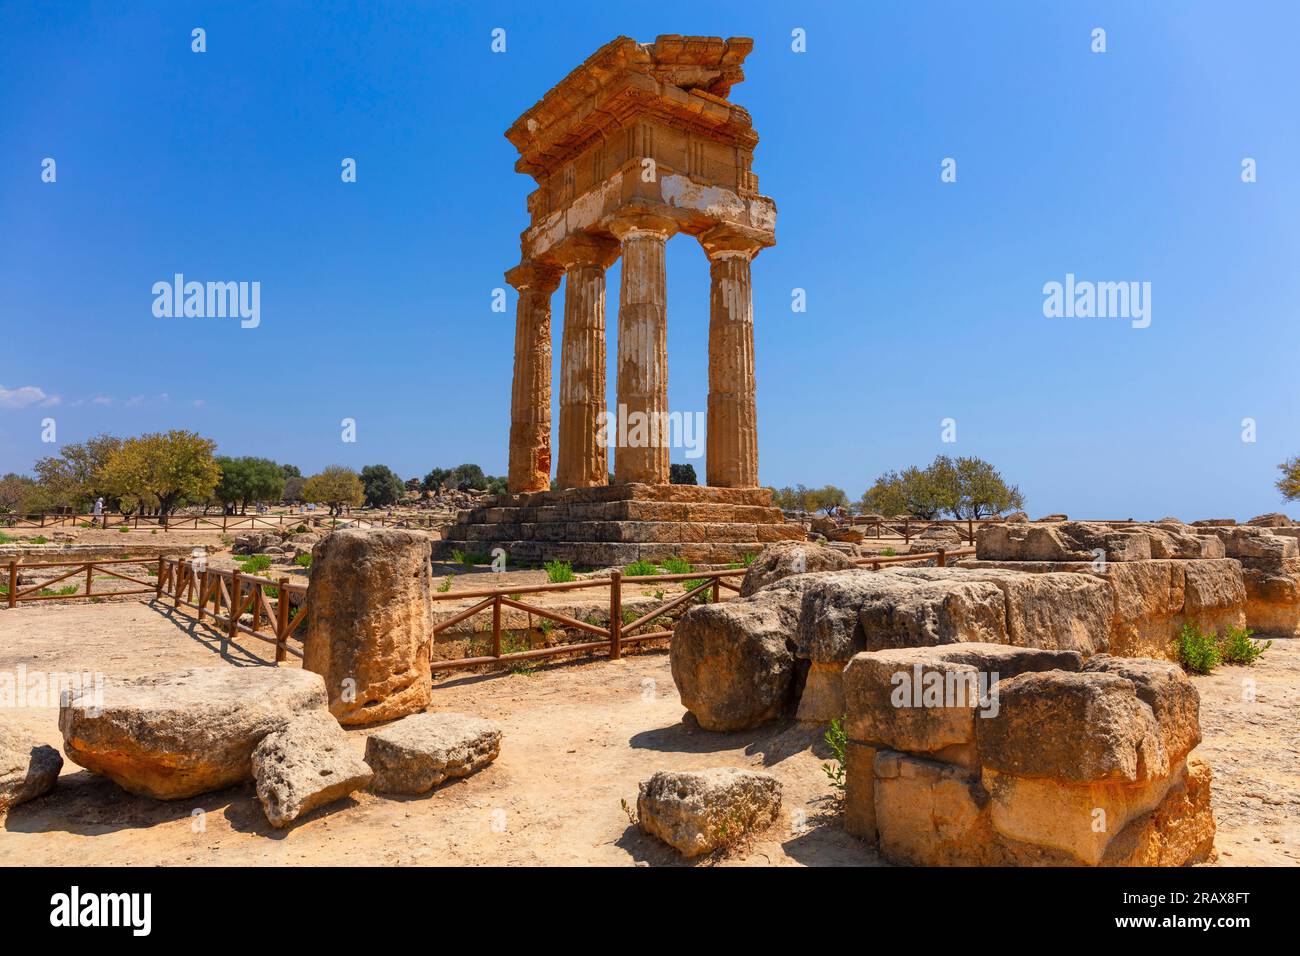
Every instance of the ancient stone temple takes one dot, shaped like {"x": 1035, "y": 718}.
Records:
{"x": 637, "y": 145}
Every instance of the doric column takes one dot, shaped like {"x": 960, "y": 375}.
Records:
{"x": 583, "y": 462}
{"x": 641, "y": 452}
{"x": 732, "y": 442}
{"x": 530, "y": 397}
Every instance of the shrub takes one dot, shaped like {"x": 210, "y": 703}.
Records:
{"x": 123, "y": 530}
{"x": 558, "y": 572}
{"x": 445, "y": 586}
{"x": 1236, "y": 647}
{"x": 1197, "y": 652}
{"x": 888, "y": 553}
{"x": 38, "y": 539}
{"x": 640, "y": 569}
{"x": 303, "y": 560}
{"x": 6, "y": 539}
{"x": 837, "y": 740}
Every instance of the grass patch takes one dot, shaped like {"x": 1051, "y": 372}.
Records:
{"x": 640, "y": 569}
{"x": 559, "y": 572}
{"x": 303, "y": 560}
{"x": 445, "y": 586}
{"x": 255, "y": 563}
{"x": 124, "y": 529}
{"x": 38, "y": 539}
{"x": 1197, "y": 652}
{"x": 677, "y": 566}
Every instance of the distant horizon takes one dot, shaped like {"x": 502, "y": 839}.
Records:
{"x": 1085, "y": 261}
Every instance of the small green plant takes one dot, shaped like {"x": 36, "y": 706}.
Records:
{"x": 255, "y": 563}
{"x": 301, "y": 529}
{"x": 124, "y": 529}
{"x": 640, "y": 569}
{"x": 888, "y": 553}
{"x": 837, "y": 740}
{"x": 546, "y": 627}
{"x": 659, "y": 594}
{"x": 6, "y": 539}
{"x": 60, "y": 592}
{"x": 38, "y": 539}
{"x": 1236, "y": 646}
{"x": 1197, "y": 652}
{"x": 693, "y": 583}
{"x": 445, "y": 586}
{"x": 458, "y": 555}
{"x": 559, "y": 572}
{"x": 749, "y": 558}
{"x": 303, "y": 560}
{"x": 677, "y": 566}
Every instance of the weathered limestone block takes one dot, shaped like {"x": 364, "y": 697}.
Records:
{"x": 1062, "y": 611}
{"x": 822, "y": 699}
{"x": 27, "y": 770}
{"x": 908, "y": 612}
{"x": 860, "y": 790}
{"x": 1077, "y": 819}
{"x": 179, "y": 734}
{"x": 733, "y": 663}
{"x": 700, "y": 811}
{"x": 1274, "y": 519}
{"x": 936, "y": 538}
{"x": 417, "y": 753}
{"x": 1177, "y": 832}
{"x": 1214, "y": 594}
{"x": 928, "y": 700}
{"x": 785, "y": 558}
{"x": 930, "y": 814}
{"x": 1273, "y": 599}
{"x": 371, "y": 612}
{"x": 1091, "y": 726}
{"x": 305, "y": 765}
{"x": 1063, "y": 541}
{"x": 1166, "y": 689}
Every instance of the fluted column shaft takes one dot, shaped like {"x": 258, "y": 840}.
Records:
{"x": 732, "y": 441}
{"x": 641, "y": 453}
{"x": 583, "y": 461}
{"x": 530, "y": 398}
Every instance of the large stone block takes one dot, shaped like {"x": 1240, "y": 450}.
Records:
{"x": 928, "y": 700}
{"x": 860, "y": 790}
{"x": 733, "y": 663}
{"x": 1177, "y": 832}
{"x": 1073, "y": 727}
{"x": 703, "y": 810}
{"x": 179, "y": 734}
{"x": 930, "y": 814}
{"x": 27, "y": 770}
{"x": 783, "y": 559}
{"x": 1166, "y": 689}
{"x": 306, "y": 764}
{"x": 371, "y": 612}
{"x": 416, "y": 753}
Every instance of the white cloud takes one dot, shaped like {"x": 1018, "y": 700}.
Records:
{"x": 25, "y": 396}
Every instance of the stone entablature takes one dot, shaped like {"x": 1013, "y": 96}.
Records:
{"x": 636, "y": 145}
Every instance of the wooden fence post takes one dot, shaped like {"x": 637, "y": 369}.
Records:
{"x": 615, "y": 614}
{"x": 943, "y": 558}
{"x": 233, "y": 629}
{"x": 90, "y": 576}
{"x": 282, "y": 622}
{"x": 13, "y": 583}
{"x": 158, "y": 586}
{"x": 496, "y": 626}
{"x": 716, "y": 594}
{"x": 203, "y": 591}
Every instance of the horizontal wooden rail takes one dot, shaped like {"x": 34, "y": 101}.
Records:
{"x": 14, "y": 594}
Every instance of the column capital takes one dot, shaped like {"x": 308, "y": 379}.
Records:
{"x": 728, "y": 240}
{"x": 637, "y": 224}
{"x": 585, "y": 249}
{"x": 532, "y": 275}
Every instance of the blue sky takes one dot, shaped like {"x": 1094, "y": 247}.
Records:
{"x": 925, "y": 298}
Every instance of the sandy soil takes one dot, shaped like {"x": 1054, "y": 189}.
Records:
{"x": 578, "y": 738}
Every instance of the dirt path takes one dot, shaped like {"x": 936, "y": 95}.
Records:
{"x": 578, "y": 738}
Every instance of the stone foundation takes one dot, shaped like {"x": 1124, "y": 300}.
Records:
{"x": 617, "y": 524}
{"x": 1044, "y": 762}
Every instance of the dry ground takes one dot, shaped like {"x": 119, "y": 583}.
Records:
{"x": 577, "y": 739}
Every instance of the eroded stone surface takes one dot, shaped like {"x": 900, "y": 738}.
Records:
{"x": 418, "y": 752}
{"x": 703, "y": 810}
{"x": 371, "y": 614}
{"x": 27, "y": 769}
{"x": 306, "y": 764}
{"x": 785, "y": 558}
{"x": 178, "y": 734}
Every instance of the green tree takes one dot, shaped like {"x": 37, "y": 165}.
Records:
{"x": 167, "y": 467}
{"x": 293, "y": 490}
{"x": 435, "y": 480}
{"x": 964, "y": 488}
{"x": 826, "y": 499}
{"x": 682, "y": 474}
{"x": 16, "y": 491}
{"x": 336, "y": 487}
{"x": 71, "y": 479}
{"x": 246, "y": 481}
{"x": 381, "y": 486}
{"x": 1289, "y": 483}
{"x": 981, "y": 491}
{"x": 467, "y": 477}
